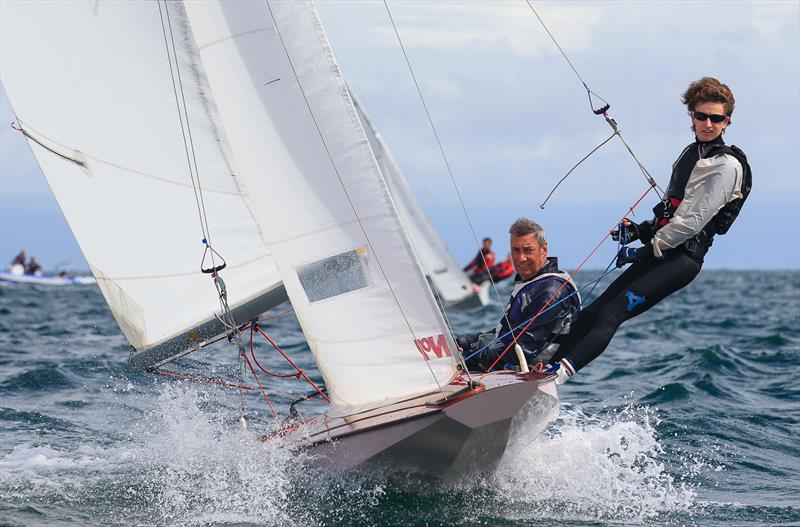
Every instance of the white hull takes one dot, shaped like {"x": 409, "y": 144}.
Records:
{"x": 46, "y": 279}
{"x": 468, "y": 432}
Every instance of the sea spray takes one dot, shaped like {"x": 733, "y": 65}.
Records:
{"x": 208, "y": 470}
{"x": 601, "y": 467}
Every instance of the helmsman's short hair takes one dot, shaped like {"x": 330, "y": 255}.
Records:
{"x": 524, "y": 226}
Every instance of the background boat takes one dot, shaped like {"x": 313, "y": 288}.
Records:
{"x": 45, "y": 279}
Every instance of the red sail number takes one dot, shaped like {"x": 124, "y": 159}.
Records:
{"x": 438, "y": 347}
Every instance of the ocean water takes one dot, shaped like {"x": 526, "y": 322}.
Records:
{"x": 691, "y": 417}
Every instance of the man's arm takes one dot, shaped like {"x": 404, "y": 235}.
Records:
{"x": 472, "y": 263}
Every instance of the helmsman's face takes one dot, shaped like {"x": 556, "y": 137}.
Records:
{"x": 527, "y": 255}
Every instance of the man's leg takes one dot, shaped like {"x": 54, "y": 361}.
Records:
{"x": 640, "y": 290}
{"x": 587, "y": 318}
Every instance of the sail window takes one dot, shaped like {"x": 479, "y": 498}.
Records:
{"x": 335, "y": 275}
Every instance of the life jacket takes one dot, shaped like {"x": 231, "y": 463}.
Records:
{"x": 502, "y": 270}
{"x": 536, "y": 346}
{"x": 681, "y": 171}
{"x": 482, "y": 262}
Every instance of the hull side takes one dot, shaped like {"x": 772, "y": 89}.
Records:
{"x": 465, "y": 434}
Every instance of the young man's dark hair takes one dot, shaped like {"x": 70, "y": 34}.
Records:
{"x": 709, "y": 89}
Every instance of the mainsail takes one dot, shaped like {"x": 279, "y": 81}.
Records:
{"x": 116, "y": 108}
{"x": 347, "y": 265}
{"x": 451, "y": 283}
{"x": 157, "y": 123}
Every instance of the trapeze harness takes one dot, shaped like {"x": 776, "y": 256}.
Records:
{"x": 698, "y": 245}
{"x": 644, "y": 284}
{"x": 526, "y": 298}
{"x": 502, "y": 270}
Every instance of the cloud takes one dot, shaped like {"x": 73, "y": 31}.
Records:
{"x": 540, "y": 148}
{"x": 445, "y": 25}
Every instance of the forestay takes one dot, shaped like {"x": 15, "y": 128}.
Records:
{"x": 348, "y": 267}
{"x": 97, "y": 94}
{"x": 451, "y": 283}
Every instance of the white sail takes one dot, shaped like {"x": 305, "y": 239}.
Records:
{"x": 96, "y": 90}
{"x": 451, "y": 283}
{"x": 355, "y": 284}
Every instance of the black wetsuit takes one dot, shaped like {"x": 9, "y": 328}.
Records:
{"x": 645, "y": 283}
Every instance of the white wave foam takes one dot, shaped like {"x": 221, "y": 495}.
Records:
{"x": 208, "y": 470}
{"x": 30, "y": 463}
{"x": 592, "y": 468}
{"x": 187, "y": 463}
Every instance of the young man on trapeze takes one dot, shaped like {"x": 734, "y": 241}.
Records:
{"x": 709, "y": 184}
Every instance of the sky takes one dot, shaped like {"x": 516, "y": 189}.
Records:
{"x": 512, "y": 118}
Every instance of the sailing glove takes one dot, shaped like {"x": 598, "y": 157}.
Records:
{"x": 628, "y": 255}
{"x": 646, "y": 230}
{"x": 628, "y": 232}
{"x": 563, "y": 370}
{"x": 467, "y": 343}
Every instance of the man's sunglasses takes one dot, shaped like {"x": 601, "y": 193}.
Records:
{"x": 715, "y": 117}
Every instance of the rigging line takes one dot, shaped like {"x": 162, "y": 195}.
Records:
{"x": 344, "y": 187}
{"x": 593, "y": 282}
{"x": 444, "y": 156}
{"x": 595, "y": 149}
{"x": 644, "y": 170}
{"x": 296, "y": 375}
{"x": 261, "y": 387}
{"x": 559, "y": 47}
{"x": 290, "y": 361}
{"x": 602, "y": 111}
{"x": 552, "y": 297}
{"x": 344, "y": 48}
{"x": 180, "y": 118}
{"x": 609, "y": 269}
{"x": 191, "y": 140}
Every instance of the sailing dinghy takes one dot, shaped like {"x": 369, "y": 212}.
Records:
{"x": 191, "y": 142}
{"x": 17, "y": 275}
{"x": 45, "y": 279}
